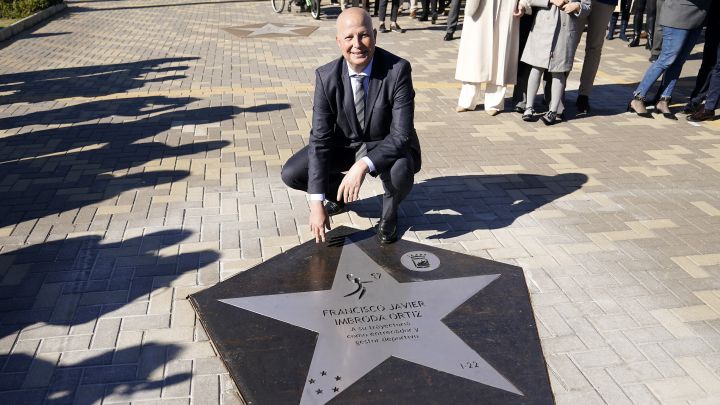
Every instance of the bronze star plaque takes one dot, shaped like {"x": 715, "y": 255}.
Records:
{"x": 271, "y": 30}
{"x": 356, "y": 322}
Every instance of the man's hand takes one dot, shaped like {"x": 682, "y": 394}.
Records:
{"x": 318, "y": 220}
{"x": 571, "y": 8}
{"x": 558, "y": 3}
{"x": 349, "y": 189}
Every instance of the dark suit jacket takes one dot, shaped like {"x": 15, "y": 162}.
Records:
{"x": 389, "y": 112}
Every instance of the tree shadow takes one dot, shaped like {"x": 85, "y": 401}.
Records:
{"x": 95, "y": 379}
{"x": 63, "y": 168}
{"x": 457, "y": 205}
{"x": 70, "y": 293}
{"x": 87, "y": 81}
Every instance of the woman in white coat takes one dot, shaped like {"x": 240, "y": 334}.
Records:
{"x": 488, "y": 53}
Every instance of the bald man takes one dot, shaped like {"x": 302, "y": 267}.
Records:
{"x": 363, "y": 114}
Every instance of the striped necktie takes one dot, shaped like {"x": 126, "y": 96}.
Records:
{"x": 359, "y": 96}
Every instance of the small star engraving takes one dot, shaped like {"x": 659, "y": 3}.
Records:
{"x": 336, "y": 389}
{"x": 311, "y": 381}
{"x": 319, "y": 391}
{"x": 274, "y": 29}
{"x": 338, "y": 378}
{"x": 323, "y": 373}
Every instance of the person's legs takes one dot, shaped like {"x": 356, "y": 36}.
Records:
{"x": 594, "y": 40}
{"x": 382, "y": 11}
{"x": 397, "y": 182}
{"x": 494, "y": 97}
{"x": 624, "y": 19}
{"x": 713, "y": 93}
{"x": 452, "y": 19}
{"x": 638, "y": 11}
{"x": 557, "y": 91}
{"x": 295, "y": 171}
{"x": 394, "y": 10}
{"x": 710, "y": 53}
{"x": 672, "y": 73}
{"x": 469, "y": 95}
{"x": 520, "y": 88}
{"x": 533, "y": 85}
{"x": 673, "y": 40}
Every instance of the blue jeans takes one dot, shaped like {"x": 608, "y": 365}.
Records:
{"x": 676, "y": 47}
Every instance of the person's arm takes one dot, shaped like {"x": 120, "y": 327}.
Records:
{"x": 318, "y": 155}
{"x": 577, "y": 8}
{"x": 398, "y": 141}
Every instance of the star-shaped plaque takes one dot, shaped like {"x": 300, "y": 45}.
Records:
{"x": 367, "y": 317}
{"x": 271, "y": 30}
{"x": 353, "y": 321}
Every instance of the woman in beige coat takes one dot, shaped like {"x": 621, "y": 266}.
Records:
{"x": 488, "y": 53}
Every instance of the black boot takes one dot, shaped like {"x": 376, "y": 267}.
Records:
{"x": 623, "y": 27}
{"x": 650, "y": 29}
{"x": 611, "y": 26}
{"x": 637, "y": 29}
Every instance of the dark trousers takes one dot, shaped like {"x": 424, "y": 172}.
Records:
{"x": 397, "y": 181}
{"x": 713, "y": 91}
{"x": 710, "y": 54}
{"x": 453, "y": 16}
{"x": 393, "y": 10}
{"x": 429, "y": 6}
{"x": 520, "y": 89}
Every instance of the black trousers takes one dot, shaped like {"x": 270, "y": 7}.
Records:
{"x": 397, "y": 182}
{"x": 393, "y": 10}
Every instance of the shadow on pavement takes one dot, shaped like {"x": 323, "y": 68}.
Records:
{"x": 457, "y": 205}
{"x": 87, "y": 81}
{"x": 58, "y": 169}
{"x": 71, "y": 296}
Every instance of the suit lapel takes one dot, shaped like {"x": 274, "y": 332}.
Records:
{"x": 349, "y": 101}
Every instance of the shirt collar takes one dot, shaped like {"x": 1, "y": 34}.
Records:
{"x": 365, "y": 72}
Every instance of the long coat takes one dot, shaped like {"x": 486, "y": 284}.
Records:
{"x": 489, "y": 43}
{"x": 552, "y": 39}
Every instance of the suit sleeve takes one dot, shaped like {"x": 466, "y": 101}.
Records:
{"x": 397, "y": 143}
{"x": 323, "y": 122}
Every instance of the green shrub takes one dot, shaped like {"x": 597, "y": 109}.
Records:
{"x": 23, "y": 8}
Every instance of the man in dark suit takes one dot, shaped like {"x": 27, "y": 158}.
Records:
{"x": 363, "y": 114}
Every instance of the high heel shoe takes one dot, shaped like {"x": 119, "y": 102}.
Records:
{"x": 637, "y": 105}
{"x": 663, "y": 105}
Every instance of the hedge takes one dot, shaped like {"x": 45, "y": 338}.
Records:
{"x": 24, "y": 8}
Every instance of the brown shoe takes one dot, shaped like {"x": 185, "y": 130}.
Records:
{"x": 702, "y": 115}
{"x": 413, "y": 13}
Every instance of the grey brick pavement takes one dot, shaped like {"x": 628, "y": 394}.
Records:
{"x": 140, "y": 150}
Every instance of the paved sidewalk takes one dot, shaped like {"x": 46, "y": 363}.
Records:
{"x": 140, "y": 152}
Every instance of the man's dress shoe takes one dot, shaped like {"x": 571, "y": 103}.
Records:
{"x": 334, "y": 208}
{"x": 387, "y": 231}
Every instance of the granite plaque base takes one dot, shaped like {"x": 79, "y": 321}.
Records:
{"x": 355, "y": 322}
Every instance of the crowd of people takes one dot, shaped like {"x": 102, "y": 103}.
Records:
{"x": 526, "y": 43}
{"x": 364, "y": 101}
